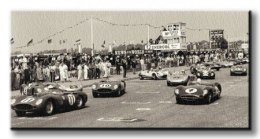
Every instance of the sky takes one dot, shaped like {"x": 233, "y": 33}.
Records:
{"x": 36, "y": 25}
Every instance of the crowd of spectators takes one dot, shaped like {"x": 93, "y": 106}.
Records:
{"x": 64, "y": 67}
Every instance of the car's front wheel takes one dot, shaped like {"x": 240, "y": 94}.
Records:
{"x": 178, "y": 101}
{"x": 95, "y": 95}
{"x": 20, "y": 113}
{"x": 49, "y": 108}
{"x": 79, "y": 102}
{"x": 208, "y": 99}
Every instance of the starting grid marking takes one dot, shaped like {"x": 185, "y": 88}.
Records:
{"x": 116, "y": 119}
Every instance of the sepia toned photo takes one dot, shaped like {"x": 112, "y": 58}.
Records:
{"x": 130, "y": 69}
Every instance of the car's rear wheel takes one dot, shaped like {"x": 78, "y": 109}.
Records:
{"x": 49, "y": 108}
{"x": 178, "y": 101}
{"x": 79, "y": 102}
{"x": 168, "y": 84}
{"x": 20, "y": 113}
{"x": 154, "y": 77}
{"x": 118, "y": 93}
{"x": 95, "y": 95}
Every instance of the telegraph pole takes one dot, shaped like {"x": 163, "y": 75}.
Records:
{"x": 209, "y": 41}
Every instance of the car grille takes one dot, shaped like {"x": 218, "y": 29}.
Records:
{"x": 24, "y": 107}
{"x": 104, "y": 90}
{"x": 189, "y": 98}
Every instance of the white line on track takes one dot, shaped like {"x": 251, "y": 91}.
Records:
{"x": 143, "y": 109}
{"x": 116, "y": 119}
{"x": 135, "y": 102}
{"x": 37, "y": 118}
{"x": 165, "y": 102}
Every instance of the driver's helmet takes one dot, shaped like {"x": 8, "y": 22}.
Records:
{"x": 198, "y": 80}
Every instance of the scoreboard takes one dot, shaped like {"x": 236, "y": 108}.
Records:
{"x": 216, "y": 36}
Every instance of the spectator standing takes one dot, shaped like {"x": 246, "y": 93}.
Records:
{"x": 80, "y": 72}
{"x": 39, "y": 72}
{"x": 134, "y": 62}
{"x": 118, "y": 64}
{"x": 142, "y": 63}
{"x": 86, "y": 68}
{"x": 124, "y": 65}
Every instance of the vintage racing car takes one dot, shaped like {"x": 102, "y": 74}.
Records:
{"x": 226, "y": 64}
{"x": 197, "y": 91}
{"x": 213, "y": 65}
{"x": 111, "y": 87}
{"x": 45, "y": 99}
{"x": 238, "y": 70}
{"x": 205, "y": 73}
{"x": 179, "y": 78}
{"x": 153, "y": 74}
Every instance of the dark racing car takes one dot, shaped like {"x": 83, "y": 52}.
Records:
{"x": 46, "y": 99}
{"x": 109, "y": 87}
{"x": 204, "y": 72}
{"x": 179, "y": 78}
{"x": 197, "y": 92}
{"x": 238, "y": 70}
{"x": 213, "y": 65}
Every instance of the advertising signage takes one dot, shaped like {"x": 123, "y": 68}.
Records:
{"x": 133, "y": 52}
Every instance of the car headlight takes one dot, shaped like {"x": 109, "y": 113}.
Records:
{"x": 198, "y": 74}
{"x": 13, "y": 101}
{"x": 177, "y": 91}
{"x": 116, "y": 86}
{"x": 38, "y": 102}
{"x": 244, "y": 69}
{"x": 205, "y": 92}
{"x": 231, "y": 69}
{"x": 94, "y": 86}
{"x": 212, "y": 74}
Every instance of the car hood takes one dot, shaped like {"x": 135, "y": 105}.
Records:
{"x": 191, "y": 90}
{"x": 177, "y": 78}
{"x": 107, "y": 85}
{"x": 31, "y": 100}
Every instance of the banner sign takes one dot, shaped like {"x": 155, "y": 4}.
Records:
{"x": 174, "y": 46}
{"x": 134, "y": 52}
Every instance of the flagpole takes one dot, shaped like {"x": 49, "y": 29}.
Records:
{"x": 91, "y": 35}
{"x": 148, "y": 34}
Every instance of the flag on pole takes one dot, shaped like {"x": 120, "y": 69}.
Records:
{"x": 30, "y": 42}
{"x": 78, "y": 40}
{"x": 103, "y": 45}
{"x": 12, "y": 41}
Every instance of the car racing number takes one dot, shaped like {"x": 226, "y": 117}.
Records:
{"x": 27, "y": 100}
{"x": 71, "y": 99}
{"x": 191, "y": 90}
{"x": 105, "y": 85}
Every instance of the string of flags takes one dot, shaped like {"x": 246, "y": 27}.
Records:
{"x": 49, "y": 38}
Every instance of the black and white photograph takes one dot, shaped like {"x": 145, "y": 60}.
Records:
{"x": 130, "y": 69}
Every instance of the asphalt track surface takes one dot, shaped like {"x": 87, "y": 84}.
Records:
{"x": 151, "y": 104}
